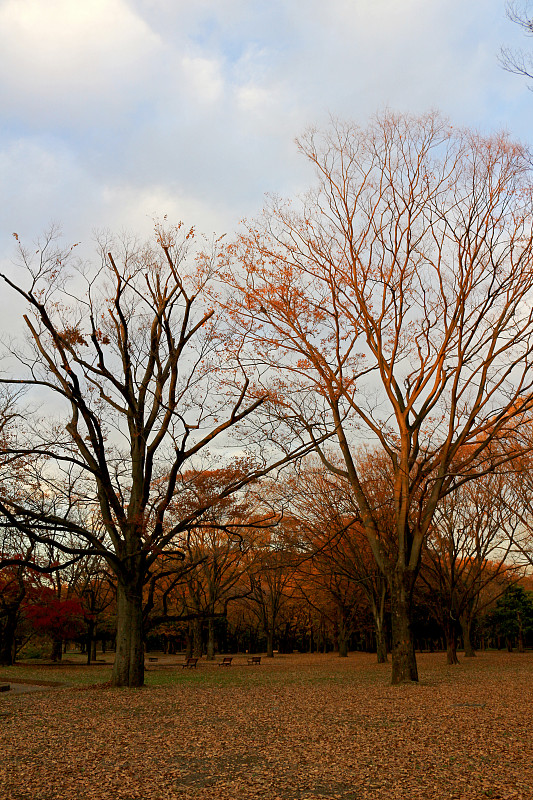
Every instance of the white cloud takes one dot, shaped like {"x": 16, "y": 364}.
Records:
{"x": 203, "y": 77}
{"x": 122, "y": 203}
{"x": 60, "y": 57}
{"x": 121, "y": 109}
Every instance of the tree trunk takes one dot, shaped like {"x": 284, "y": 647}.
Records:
{"x": 521, "y": 645}
{"x": 450, "y": 630}
{"x": 90, "y": 634}
{"x": 197, "y": 637}
{"x": 404, "y": 667}
{"x": 342, "y": 636}
{"x": 210, "y": 639}
{"x": 189, "y": 641}
{"x": 381, "y": 645}
{"x": 128, "y": 667}
{"x": 270, "y": 644}
{"x": 57, "y": 650}
{"x": 378, "y": 614}
{"x": 466, "y": 626}
{"x": 8, "y": 627}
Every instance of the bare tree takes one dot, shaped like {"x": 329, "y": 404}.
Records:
{"x": 519, "y": 62}
{"x": 470, "y": 546}
{"x": 393, "y": 308}
{"x": 339, "y": 559}
{"x": 133, "y": 356}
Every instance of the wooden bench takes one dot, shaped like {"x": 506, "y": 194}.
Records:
{"x": 190, "y": 663}
{"x": 5, "y": 687}
{"x": 226, "y": 661}
{"x": 254, "y": 660}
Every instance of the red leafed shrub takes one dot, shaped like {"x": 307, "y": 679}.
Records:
{"x": 60, "y": 619}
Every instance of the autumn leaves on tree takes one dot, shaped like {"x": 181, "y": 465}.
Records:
{"x": 384, "y": 322}
{"x": 393, "y": 309}
{"x": 144, "y": 387}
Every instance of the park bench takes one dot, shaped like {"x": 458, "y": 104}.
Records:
{"x": 5, "y": 687}
{"x": 152, "y": 658}
{"x": 226, "y": 661}
{"x": 190, "y": 663}
{"x": 254, "y": 660}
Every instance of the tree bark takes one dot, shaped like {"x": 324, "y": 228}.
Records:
{"x": 342, "y": 636}
{"x": 466, "y": 626}
{"x": 189, "y": 641}
{"x": 210, "y": 639}
{"x": 381, "y": 644}
{"x": 404, "y": 667}
{"x": 450, "y": 631}
{"x": 8, "y": 627}
{"x": 128, "y": 667}
{"x": 270, "y": 644}
{"x": 521, "y": 644}
{"x": 57, "y": 650}
{"x": 378, "y": 614}
{"x": 197, "y": 638}
{"x": 90, "y": 634}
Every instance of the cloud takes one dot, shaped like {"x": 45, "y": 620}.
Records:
{"x": 203, "y": 78}
{"x": 63, "y": 58}
{"x": 116, "y": 106}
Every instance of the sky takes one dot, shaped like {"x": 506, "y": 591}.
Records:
{"x": 116, "y": 112}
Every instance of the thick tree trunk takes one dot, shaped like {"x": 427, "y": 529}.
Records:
{"x": 450, "y": 630}
{"x": 466, "y": 627}
{"x": 197, "y": 638}
{"x": 404, "y": 667}
{"x": 270, "y": 644}
{"x": 128, "y": 668}
{"x": 342, "y": 637}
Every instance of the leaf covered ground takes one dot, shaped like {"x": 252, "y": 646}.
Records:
{"x": 297, "y": 728}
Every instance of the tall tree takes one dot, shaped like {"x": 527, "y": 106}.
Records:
{"x": 393, "y": 306}
{"x": 132, "y": 355}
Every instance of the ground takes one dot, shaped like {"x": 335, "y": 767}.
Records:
{"x": 296, "y": 728}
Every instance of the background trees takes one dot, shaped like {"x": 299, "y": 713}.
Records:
{"x": 468, "y": 559}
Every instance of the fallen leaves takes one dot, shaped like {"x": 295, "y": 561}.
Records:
{"x": 306, "y": 728}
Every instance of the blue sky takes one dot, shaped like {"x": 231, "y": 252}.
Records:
{"x": 116, "y": 111}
